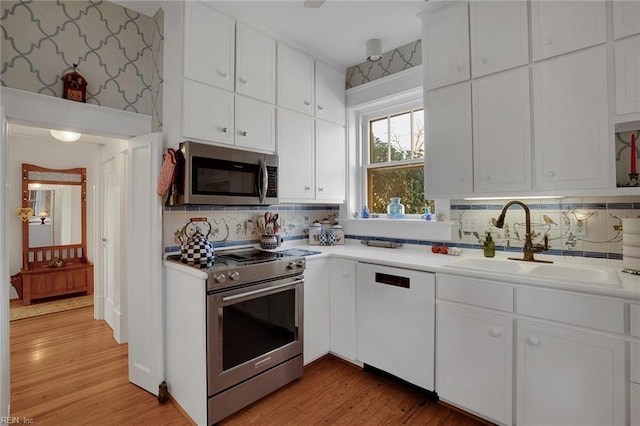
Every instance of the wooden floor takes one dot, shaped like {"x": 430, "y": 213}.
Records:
{"x": 67, "y": 369}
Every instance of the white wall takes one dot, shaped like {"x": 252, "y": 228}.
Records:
{"x": 52, "y": 154}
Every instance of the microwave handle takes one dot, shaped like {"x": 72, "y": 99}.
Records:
{"x": 263, "y": 176}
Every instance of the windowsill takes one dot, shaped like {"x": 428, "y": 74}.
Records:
{"x": 410, "y": 228}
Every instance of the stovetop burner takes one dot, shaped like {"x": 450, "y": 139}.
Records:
{"x": 234, "y": 267}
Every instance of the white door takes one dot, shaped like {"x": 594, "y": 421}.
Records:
{"x": 144, "y": 255}
{"x": 569, "y": 377}
{"x": 112, "y": 245}
{"x": 316, "y": 311}
{"x": 4, "y": 275}
{"x": 330, "y": 163}
{"x": 481, "y": 382}
{"x": 295, "y": 148}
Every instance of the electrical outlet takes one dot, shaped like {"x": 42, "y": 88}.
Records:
{"x": 468, "y": 224}
{"x": 581, "y": 228}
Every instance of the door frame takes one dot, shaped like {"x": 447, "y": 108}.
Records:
{"x": 50, "y": 112}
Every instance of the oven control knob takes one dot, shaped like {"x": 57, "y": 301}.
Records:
{"x": 219, "y": 278}
{"x": 300, "y": 263}
{"x": 291, "y": 265}
{"x": 234, "y": 276}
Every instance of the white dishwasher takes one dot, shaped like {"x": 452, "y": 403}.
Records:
{"x": 396, "y": 322}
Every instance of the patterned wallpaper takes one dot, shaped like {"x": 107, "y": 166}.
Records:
{"x": 393, "y": 61}
{"x": 114, "y": 48}
{"x": 157, "y": 51}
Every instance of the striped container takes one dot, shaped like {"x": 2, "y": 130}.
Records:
{"x": 631, "y": 243}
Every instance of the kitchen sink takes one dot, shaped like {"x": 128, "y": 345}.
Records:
{"x": 585, "y": 274}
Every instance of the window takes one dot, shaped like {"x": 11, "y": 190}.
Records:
{"x": 395, "y": 166}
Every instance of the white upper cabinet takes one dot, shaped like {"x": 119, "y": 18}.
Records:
{"x": 255, "y": 124}
{"x": 448, "y": 149}
{"x": 499, "y": 36}
{"x": 296, "y": 152}
{"x": 255, "y": 64}
{"x": 627, "y": 63}
{"x": 207, "y": 113}
{"x": 209, "y": 46}
{"x": 330, "y": 161}
{"x": 445, "y": 44}
{"x": 626, "y": 18}
{"x": 295, "y": 80}
{"x": 564, "y": 26}
{"x": 502, "y": 132}
{"x": 571, "y": 119}
{"x": 330, "y": 88}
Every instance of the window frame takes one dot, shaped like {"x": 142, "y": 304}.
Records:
{"x": 389, "y": 106}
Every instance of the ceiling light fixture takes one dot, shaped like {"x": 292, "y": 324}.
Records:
{"x": 64, "y": 136}
{"x": 374, "y": 50}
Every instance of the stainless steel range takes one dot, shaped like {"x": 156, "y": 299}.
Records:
{"x": 254, "y": 326}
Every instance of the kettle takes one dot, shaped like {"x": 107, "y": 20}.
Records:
{"x": 195, "y": 248}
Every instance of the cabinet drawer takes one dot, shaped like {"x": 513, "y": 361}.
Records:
{"x": 634, "y": 318}
{"x": 588, "y": 311}
{"x": 634, "y": 360}
{"x": 475, "y": 292}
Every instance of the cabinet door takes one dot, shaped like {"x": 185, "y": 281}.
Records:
{"x": 445, "y": 44}
{"x": 627, "y": 63}
{"x": 296, "y": 152}
{"x": 626, "y": 18}
{"x": 295, "y": 80}
{"x": 474, "y": 352}
{"x": 330, "y": 161}
{"x": 571, "y": 117}
{"x": 77, "y": 280}
{"x": 208, "y": 46}
{"x": 448, "y": 152}
{"x": 207, "y": 113}
{"x": 316, "y": 310}
{"x": 255, "y": 124}
{"x": 569, "y": 377}
{"x": 499, "y": 36}
{"x": 342, "y": 296}
{"x": 502, "y": 132}
{"x": 255, "y": 64}
{"x": 564, "y": 26}
{"x": 330, "y": 89}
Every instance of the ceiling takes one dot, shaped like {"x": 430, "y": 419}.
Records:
{"x": 336, "y": 32}
{"x": 18, "y": 129}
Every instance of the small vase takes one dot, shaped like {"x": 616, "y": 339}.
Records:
{"x": 395, "y": 209}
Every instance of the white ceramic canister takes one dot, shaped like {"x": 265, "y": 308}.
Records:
{"x": 314, "y": 234}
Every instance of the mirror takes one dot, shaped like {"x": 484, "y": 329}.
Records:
{"x": 58, "y": 201}
{"x": 56, "y": 219}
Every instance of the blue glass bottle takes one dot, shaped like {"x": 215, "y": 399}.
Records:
{"x": 395, "y": 209}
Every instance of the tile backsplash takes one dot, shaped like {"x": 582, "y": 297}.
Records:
{"x": 236, "y": 225}
{"x": 555, "y": 218}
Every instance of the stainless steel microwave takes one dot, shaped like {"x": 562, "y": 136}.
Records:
{"x": 217, "y": 175}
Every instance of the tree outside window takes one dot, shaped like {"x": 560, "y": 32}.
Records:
{"x": 396, "y": 162}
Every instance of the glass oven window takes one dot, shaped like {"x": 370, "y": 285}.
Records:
{"x": 258, "y": 326}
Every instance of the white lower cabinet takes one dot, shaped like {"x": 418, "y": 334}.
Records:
{"x": 316, "y": 310}
{"x": 634, "y": 397}
{"x": 568, "y": 377}
{"x": 342, "y": 297}
{"x": 474, "y": 350}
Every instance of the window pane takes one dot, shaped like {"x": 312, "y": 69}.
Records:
{"x": 405, "y": 182}
{"x": 379, "y": 137}
{"x": 400, "y": 137}
{"x": 418, "y": 134}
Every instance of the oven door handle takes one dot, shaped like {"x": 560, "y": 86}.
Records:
{"x": 250, "y": 294}
{"x": 263, "y": 177}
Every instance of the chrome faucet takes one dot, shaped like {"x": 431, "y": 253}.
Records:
{"x": 529, "y": 248}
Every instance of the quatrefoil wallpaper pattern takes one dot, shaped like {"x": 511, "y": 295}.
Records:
{"x": 117, "y": 50}
{"x": 393, "y": 61}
